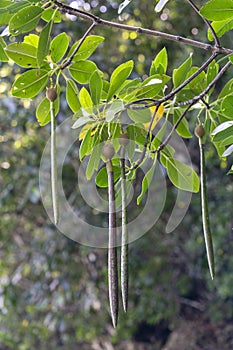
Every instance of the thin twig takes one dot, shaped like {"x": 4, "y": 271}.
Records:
{"x": 178, "y": 89}
{"x": 165, "y": 142}
{"x": 178, "y": 38}
{"x": 68, "y": 62}
{"x": 196, "y": 9}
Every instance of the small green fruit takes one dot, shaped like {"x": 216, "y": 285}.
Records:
{"x": 108, "y": 151}
{"x": 199, "y": 131}
{"x": 124, "y": 139}
{"x": 51, "y": 94}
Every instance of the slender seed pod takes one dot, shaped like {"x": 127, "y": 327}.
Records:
{"x": 108, "y": 152}
{"x": 199, "y": 132}
{"x": 124, "y": 238}
{"x": 54, "y": 164}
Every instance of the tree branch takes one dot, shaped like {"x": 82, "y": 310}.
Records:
{"x": 68, "y": 62}
{"x": 178, "y": 38}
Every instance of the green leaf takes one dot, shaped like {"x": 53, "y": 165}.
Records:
{"x": 183, "y": 127}
{"x": 139, "y": 116}
{"x": 22, "y": 54}
{"x": 81, "y": 121}
{"x": 25, "y": 20}
{"x": 146, "y": 181}
{"x": 7, "y": 10}
{"x": 43, "y": 111}
{"x": 218, "y": 10}
{"x": 96, "y": 86}
{"x": 31, "y": 39}
{"x": 220, "y": 28}
{"x": 93, "y": 161}
{"x": 212, "y": 71}
{"x": 44, "y": 42}
{"x": 101, "y": 179}
{"x": 227, "y": 89}
{"x": 228, "y": 151}
{"x": 3, "y": 56}
{"x": 48, "y": 14}
{"x": 197, "y": 84}
{"x": 82, "y": 71}
{"x": 181, "y": 175}
{"x": 222, "y": 131}
{"x": 180, "y": 73}
{"x": 87, "y": 47}
{"x": 86, "y": 145}
{"x": 72, "y": 96}
{"x": 118, "y": 77}
{"x": 159, "y": 65}
{"x": 85, "y": 99}
{"x": 116, "y": 107}
{"x": 150, "y": 90}
{"x": 227, "y": 106}
{"x": 58, "y": 47}
{"x": 30, "y": 83}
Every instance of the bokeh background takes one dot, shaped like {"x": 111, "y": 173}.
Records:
{"x": 53, "y": 291}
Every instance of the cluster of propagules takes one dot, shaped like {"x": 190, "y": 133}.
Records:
{"x": 108, "y": 152}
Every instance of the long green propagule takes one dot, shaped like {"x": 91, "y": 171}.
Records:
{"x": 51, "y": 95}
{"x": 124, "y": 140}
{"x": 200, "y": 132}
{"x": 108, "y": 152}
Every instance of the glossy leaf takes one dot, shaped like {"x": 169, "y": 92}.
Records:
{"x": 87, "y": 47}
{"x": 30, "y": 83}
{"x": 101, "y": 179}
{"x": 48, "y": 14}
{"x": 159, "y": 65}
{"x": 139, "y": 116}
{"x": 22, "y": 54}
{"x": 220, "y": 28}
{"x": 228, "y": 151}
{"x": 218, "y": 10}
{"x": 31, "y": 39}
{"x": 72, "y": 96}
{"x": 118, "y": 77}
{"x": 183, "y": 127}
{"x": 43, "y": 111}
{"x": 3, "y": 56}
{"x": 58, "y": 47}
{"x": 93, "y": 161}
{"x": 180, "y": 73}
{"x": 96, "y": 86}
{"x": 85, "y": 147}
{"x": 25, "y": 20}
{"x": 81, "y": 121}
{"x": 227, "y": 106}
{"x": 146, "y": 182}
{"x": 85, "y": 99}
{"x": 116, "y": 107}
{"x": 82, "y": 71}
{"x": 181, "y": 175}
{"x": 44, "y": 43}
